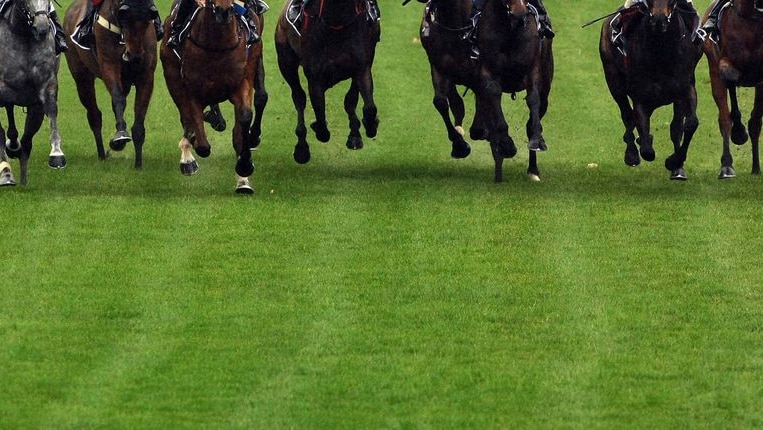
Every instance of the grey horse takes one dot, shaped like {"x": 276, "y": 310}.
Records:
{"x": 28, "y": 78}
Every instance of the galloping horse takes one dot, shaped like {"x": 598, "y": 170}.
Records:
{"x": 124, "y": 55}
{"x": 656, "y": 69}
{"x": 513, "y": 58}
{"x": 216, "y": 65}
{"x": 737, "y": 61}
{"x": 443, "y": 26}
{"x": 29, "y": 78}
{"x": 336, "y": 42}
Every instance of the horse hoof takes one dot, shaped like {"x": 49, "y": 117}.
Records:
{"x": 460, "y": 150}
{"x": 727, "y": 172}
{"x": 203, "y": 151}
{"x": 322, "y": 133}
{"x": 648, "y": 155}
{"x": 244, "y": 168}
{"x": 354, "y": 142}
{"x": 217, "y": 122}
{"x": 534, "y": 177}
{"x": 372, "y": 127}
{"x": 57, "y": 161}
{"x": 6, "y": 180}
{"x": 678, "y": 174}
{"x": 739, "y": 135}
{"x": 302, "y": 155}
{"x": 244, "y": 190}
{"x": 537, "y": 145}
{"x": 188, "y": 169}
{"x": 631, "y": 158}
{"x": 13, "y": 148}
{"x": 119, "y": 141}
{"x": 507, "y": 149}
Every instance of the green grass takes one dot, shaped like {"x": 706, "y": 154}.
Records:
{"x": 390, "y": 287}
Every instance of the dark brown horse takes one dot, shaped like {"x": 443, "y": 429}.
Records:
{"x": 513, "y": 58}
{"x": 336, "y": 42}
{"x": 123, "y": 56}
{"x": 216, "y": 65}
{"x": 443, "y": 30}
{"x": 657, "y": 69}
{"x": 737, "y": 61}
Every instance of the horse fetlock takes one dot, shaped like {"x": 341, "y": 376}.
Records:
{"x": 244, "y": 167}
{"x": 302, "y": 153}
{"x": 321, "y": 131}
{"x": 57, "y": 161}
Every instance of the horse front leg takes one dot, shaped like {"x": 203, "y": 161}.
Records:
{"x": 370, "y": 118}
{"x": 754, "y": 125}
{"x": 56, "y": 158}
{"x": 534, "y": 129}
{"x": 242, "y": 103}
{"x": 318, "y": 101}
{"x": 6, "y": 175}
{"x": 720, "y": 97}
{"x": 34, "y": 118}
{"x": 260, "y": 101}
{"x": 288, "y": 63}
{"x": 354, "y": 141}
{"x": 85, "y": 83}
{"x": 118, "y": 105}
{"x": 447, "y": 100}
{"x": 645, "y": 142}
{"x": 682, "y": 128}
{"x": 194, "y": 137}
{"x": 142, "y": 99}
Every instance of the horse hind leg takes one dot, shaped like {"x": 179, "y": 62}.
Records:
{"x": 6, "y": 175}
{"x": 288, "y": 64}
{"x": 34, "y": 119}
{"x": 188, "y": 164}
{"x": 455, "y": 104}
{"x": 86, "y": 92}
{"x": 682, "y": 128}
{"x": 754, "y": 125}
{"x": 56, "y": 158}
{"x": 354, "y": 140}
{"x": 11, "y": 139}
{"x": 738, "y": 132}
{"x": 260, "y": 101}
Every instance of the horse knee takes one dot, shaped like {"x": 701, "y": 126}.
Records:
{"x": 440, "y": 103}
{"x": 691, "y": 124}
{"x": 244, "y": 115}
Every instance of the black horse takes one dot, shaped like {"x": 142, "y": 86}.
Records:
{"x": 656, "y": 68}
{"x": 337, "y": 41}
{"x": 514, "y": 58}
{"x": 736, "y": 62}
{"x": 443, "y": 30}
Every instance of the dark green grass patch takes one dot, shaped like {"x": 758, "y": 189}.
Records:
{"x": 390, "y": 287}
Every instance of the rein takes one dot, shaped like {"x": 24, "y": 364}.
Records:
{"x": 432, "y": 19}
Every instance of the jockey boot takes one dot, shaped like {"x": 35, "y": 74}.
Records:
{"x": 711, "y": 25}
{"x": 374, "y": 14}
{"x": 260, "y": 7}
{"x": 545, "y": 22}
{"x": 474, "y": 53}
{"x": 83, "y": 33}
{"x": 184, "y": 9}
{"x": 254, "y": 32}
{"x": 690, "y": 16}
{"x": 60, "y": 35}
{"x": 294, "y": 14}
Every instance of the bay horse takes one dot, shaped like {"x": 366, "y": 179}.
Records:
{"x": 657, "y": 69}
{"x": 123, "y": 56}
{"x": 28, "y": 78}
{"x": 513, "y": 58}
{"x": 216, "y": 65}
{"x": 737, "y": 61}
{"x": 443, "y": 27}
{"x": 336, "y": 42}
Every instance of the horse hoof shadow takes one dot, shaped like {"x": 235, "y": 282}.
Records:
{"x": 354, "y": 142}
{"x": 322, "y": 132}
{"x": 190, "y": 168}
{"x": 57, "y": 161}
{"x": 119, "y": 141}
{"x": 727, "y": 172}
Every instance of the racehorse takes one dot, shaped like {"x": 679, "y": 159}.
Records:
{"x": 513, "y": 58}
{"x": 216, "y": 65}
{"x": 336, "y": 42}
{"x": 123, "y": 56}
{"x": 443, "y": 26}
{"x": 737, "y": 61}
{"x": 656, "y": 69}
{"x": 29, "y": 78}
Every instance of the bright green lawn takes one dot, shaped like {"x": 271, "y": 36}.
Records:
{"x": 390, "y": 287}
